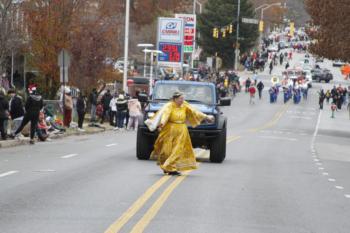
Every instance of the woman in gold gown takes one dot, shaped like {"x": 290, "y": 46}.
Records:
{"x": 173, "y": 145}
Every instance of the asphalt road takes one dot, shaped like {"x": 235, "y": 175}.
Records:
{"x": 283, "y": 173}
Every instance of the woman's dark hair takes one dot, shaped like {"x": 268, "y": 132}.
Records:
{"x": 11, "y": 91}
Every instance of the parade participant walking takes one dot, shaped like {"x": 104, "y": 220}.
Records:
{"x": 322, "y": 97}
{"x": 33, "y": 106}
{"x": 81, "y": 110}
{"x": 252, "y": 91}
{"x": 173, "y": 145}
{"x": 260, "y": 87}
{"x": 248, "y": 82}
{"x": 4, "y": 115}
{"x": 287, "y": 65}
{"x": 281, "y": 58}
{"x": 333, "y": 109}
{"x": 16, "y": 110}
{"x": 271, "y": 67}
{"x": 328, "y": 96}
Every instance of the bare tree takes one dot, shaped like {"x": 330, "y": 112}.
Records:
{"x": 10, "y": 29}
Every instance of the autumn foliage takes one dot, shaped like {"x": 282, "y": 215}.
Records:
{"x": 330, "y": 28}
{"x": 92, "y": 30}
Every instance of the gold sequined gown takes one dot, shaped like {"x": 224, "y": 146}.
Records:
{"x": 173, "y": 146}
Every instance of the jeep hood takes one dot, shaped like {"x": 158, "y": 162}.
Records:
{"x": 207, "y": 109}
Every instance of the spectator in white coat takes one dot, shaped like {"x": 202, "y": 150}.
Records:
{"x": 113, "y": 108}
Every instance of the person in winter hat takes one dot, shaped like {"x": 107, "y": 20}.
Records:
{"x": 122, "y": 108}
{"x": 33, "y": 107}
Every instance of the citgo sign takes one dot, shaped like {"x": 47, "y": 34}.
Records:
{"x": 170, "y": 30}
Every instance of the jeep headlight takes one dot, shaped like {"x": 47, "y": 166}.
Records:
{"x": 208, "y": 122}
{"x": 150, "y": 114}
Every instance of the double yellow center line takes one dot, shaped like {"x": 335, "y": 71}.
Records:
{"x": 274, "y": 120}
{"x": 141, "y": 225}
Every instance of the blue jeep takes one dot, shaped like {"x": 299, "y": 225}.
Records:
{"x": 202, "y": 96}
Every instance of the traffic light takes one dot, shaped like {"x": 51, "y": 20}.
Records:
{"x": 216, "y": 33}
{"x": 261, "y": 26}
{"x": 292, "y": 29}
{"x": 223, "y": 33}
{"x": 230, "y": 30}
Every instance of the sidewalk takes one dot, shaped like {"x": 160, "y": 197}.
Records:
{"x": 69, "y": 132}
{"x": 338, "y": 126}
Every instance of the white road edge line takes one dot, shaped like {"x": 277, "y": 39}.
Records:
{"x": 69, "y": 156}
{"x": 110, "y": 145}
{"x": 318, "y": 124}
{"x": 8, "y": 173}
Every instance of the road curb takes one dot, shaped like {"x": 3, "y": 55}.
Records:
{"x": 25, "y": 141}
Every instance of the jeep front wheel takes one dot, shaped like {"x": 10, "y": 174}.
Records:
{"x": 218, "y": 147}
{"x": 143, "y": 146}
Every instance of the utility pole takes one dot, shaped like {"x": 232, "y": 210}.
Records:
{"x": 237, "y": 35}
{"x": 126, "y": 45}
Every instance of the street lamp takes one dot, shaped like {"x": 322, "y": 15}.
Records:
{"x": 126, "y": 45}
{"x": 265, "y": 7}
{"x": 195, "y": 3}
{"x": 145, "y": 46}
{"x": 262, "y": 6}
{"x": 151, "y": 71}
{"x": 269, "y": 6}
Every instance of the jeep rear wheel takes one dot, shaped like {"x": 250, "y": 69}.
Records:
{"x": 218, "y": 147}
{"x": 144, "y": 146}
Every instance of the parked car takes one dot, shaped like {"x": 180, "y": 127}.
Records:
{"x": 338, "y": 63}
{"x": 272, "y": 48}
{"x": 202, "y": 96}
{"x": 319, "y": 59}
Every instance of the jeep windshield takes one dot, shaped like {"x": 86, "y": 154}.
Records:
{"x": 193, "y": 93}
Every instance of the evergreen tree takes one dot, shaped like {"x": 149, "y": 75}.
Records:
{"x": 221, "y": 13}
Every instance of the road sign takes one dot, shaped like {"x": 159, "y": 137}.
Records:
{"x": 172, "y": 54}
{"x": 189, "y": 31}
{"x": 64, "y": 58}
{"x": 250, "y": 21}
{"x": 170, "y": 30}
